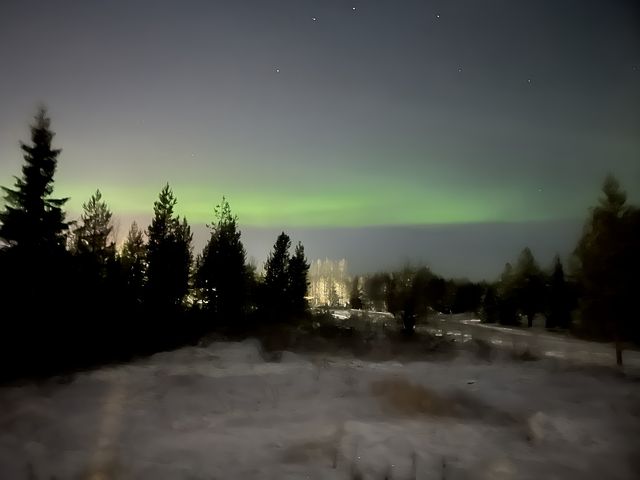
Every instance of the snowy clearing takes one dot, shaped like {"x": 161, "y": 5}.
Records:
{"x": 223, "y": 412}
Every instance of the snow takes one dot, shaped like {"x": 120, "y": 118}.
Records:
{"x": 222, "y": 411}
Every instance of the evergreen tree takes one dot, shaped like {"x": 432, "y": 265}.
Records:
{"x": 467, "y": 297}
{"x": 490, "y": 308}
{"x": 132, "y": 259}
{"x": 91, "y": 237}
{"x": 36, "y": 274}
{"x": 408, "y": 296}
{"x": 253, "y": 286}
{"x": 183, "y": 252}
{"x": 437, "y": 293}
{"x": 528, "y": 286}
{"x": 558, "y": 302}
{"x": 374, "y": 291}
{"x": 393, "y": 293}
{"x": 355, "y": 297}
{"x": 33, "y": 220}
{"x": 605, "y": 258}
{"x": 222, "y": 274}
{"x": 334, "y": 298}
{"x": 276, "y": 277}
{"x": 507, "y": 308}
{"x": 421, "y": 291}
{"x": 168, "y": 254}
{"x": 298, "y": 283}
{"x": 631, "y": 326}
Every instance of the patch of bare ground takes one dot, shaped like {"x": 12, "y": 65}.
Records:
{"x": 401, "y": 397}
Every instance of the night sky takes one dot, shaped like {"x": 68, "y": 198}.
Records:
{"x": 453, "y": 132}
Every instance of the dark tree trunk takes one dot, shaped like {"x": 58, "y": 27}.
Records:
{"x": 618, "y": 343}
{"x": 618, "y": 350}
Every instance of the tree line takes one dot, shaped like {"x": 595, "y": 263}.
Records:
{"x": 70, "y": 298}
{"x": 594, "y": 296}
{"x": 597, "y": 298}
{"x": 413, "y": 293}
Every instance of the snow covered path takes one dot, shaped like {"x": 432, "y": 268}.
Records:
{"x": 538, "y": 341}
{"x": 222, "y": 412}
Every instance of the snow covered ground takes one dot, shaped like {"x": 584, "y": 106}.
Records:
{"x": 538, "y": 341}
{"x": 222, "y": 412}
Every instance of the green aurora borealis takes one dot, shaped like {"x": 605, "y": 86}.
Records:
{"x": 334, "y": 206}
{"x": 393, "y": 115}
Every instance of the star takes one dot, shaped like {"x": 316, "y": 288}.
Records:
{"x": 459, "y": 69}
{"x": 277, "y": 70}
{"x": 315, "y": 19}
{"x": 438, "y": 16}
{"x": 529, "y": 81}
{"x": 353, "y": 8}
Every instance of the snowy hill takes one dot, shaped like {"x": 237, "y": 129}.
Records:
{"x": 223, "y": 412}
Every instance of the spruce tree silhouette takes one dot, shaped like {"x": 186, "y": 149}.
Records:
{"x": 91, "y": 238}
{"x": 374, "y": 291}
{"x": 355, "y": 296}
{"x": 276, "y": 278}
{"x": 132, "y": 259}
{"x": 507, "y": 304}
{"x": 169, "y": 256}
{"x": 490, "y": 309}
{"x": 528, "y": 285}
{"x": 36, "y": 273}
{"x": 298, "y": 282}
{"x": 222, "y": 274}
{"x": 605, "y": 257}
{"x": 32, "y": 219}
{"x": 558, "y": 298}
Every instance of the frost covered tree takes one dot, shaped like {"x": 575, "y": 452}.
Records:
{"x": 334, "y": 298}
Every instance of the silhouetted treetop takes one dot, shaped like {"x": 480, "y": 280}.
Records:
{"x": 298, "y": 284}
{"x": 31, "y": 218}
{"x": 222, "y": 274}
{"x": 169, "y": 254}
{"x": 91, "y": 237}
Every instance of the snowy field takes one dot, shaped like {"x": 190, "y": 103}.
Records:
{"x": 223, "y": 412}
